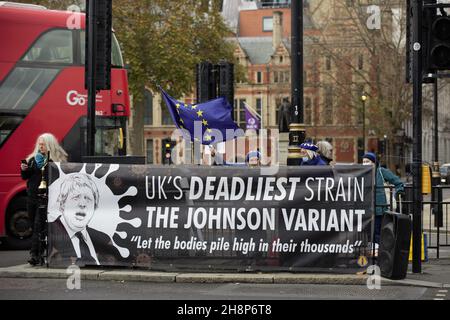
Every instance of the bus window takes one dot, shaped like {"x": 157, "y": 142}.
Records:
{"x": 107, "y": 136}
{"x": 7, "y": 125}
{"x": 116, "y": 55}
{"x": 107, "y": 141}
{"x": 23, "y": 87}
{"x": 52, "y": 47}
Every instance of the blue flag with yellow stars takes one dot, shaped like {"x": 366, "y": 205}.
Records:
{"x": 209, "y": 122}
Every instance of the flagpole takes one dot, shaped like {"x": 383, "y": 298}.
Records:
{"x": 253, "y": 110}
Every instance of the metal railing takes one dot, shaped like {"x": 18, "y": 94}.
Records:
{"x": 435, "y": 213}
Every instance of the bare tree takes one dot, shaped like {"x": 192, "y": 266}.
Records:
{"x": 366, "y": 47}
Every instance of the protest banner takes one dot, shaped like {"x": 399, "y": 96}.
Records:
{"x": 213, "y": 218}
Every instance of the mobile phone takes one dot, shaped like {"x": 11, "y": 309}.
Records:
{"x": 23, "y": 161}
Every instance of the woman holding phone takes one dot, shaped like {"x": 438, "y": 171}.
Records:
{"x": 31, "y": 170}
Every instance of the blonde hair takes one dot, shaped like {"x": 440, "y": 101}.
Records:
{"x": 325, "y": 149}
{"x": 57, "y": 153}
{"x": 311, "y": 154}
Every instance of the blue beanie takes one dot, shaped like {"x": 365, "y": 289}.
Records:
{"x": 371, "y": 156}
{"x": 309, "y": 146}
{"x": 252, "y": 154}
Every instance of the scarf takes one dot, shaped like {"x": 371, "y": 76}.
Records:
{"x": 40, "y": 160}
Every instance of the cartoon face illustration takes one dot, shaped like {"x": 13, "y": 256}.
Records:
{"x": 78, "y": 200}
{"x": 83, "y": 200}
{"x": 79, "y": 208}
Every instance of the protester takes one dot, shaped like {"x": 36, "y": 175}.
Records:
{"x": 253, "y": 159}
{"x": 382, "y": 175}
{"x": 309, "y": 155}
{"x": 213, "y": 157}
{"x": 31, "y": 170}
{"x": 325, "y": 151}
{"x": 218, "y": 159}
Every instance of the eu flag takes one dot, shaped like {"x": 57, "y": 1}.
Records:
{"x": 208, "y": 122}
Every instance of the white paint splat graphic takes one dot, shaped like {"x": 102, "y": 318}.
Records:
{"x": 106, "y": 217}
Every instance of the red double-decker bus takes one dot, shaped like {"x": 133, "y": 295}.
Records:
{"x": 42, "y": 90}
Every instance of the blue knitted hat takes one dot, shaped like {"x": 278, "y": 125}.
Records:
{"x": 371, "y": 156}
{"x": 309, "y": 146}
{"x": 252, "y": 154}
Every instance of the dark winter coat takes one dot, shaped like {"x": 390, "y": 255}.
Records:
{"x": 33, "y": 175}
{"x": 380, "y": 199}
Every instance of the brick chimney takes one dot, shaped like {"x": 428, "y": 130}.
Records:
{"x": 277, "y": 28}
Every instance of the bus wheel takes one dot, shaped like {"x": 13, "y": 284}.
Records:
{"x": 19, "y": 226}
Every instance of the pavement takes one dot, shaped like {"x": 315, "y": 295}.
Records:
{"x": 435, "y": 274}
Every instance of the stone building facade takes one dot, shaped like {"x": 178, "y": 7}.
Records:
{"x": 339, "y": 69}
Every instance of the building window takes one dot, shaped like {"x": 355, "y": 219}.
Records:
{"x": 258, "y": 105}
{"x": 275, "y": 3}
{"x": 239, "y": 112}
{"x": 307, "y": 111}
{"x": 361, "y": 148}
{"x": 328, "y": 63}
{"x": 281, "y": 76}
{"x": 148, "y": 108}
{"x": 360, "y": 62}
{"x": 328, "y": 105}
{"x": 241, "y": 122}
{"x": 275, "y": 77}
{"x": 166, "y": 119}
{"x": 258, "y": 77}
{"x": 281, "y": 59}
{"x": 149, "y": 151}
{"x": 267, "y": 24}
{"x": 287, "y": 77}
{"x": 359, "y": 93}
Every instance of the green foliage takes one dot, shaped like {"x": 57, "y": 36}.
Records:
{"x": 162, "y": 40}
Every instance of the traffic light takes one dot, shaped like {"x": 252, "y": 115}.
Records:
{"x": 215, "y": 81}
{"x": 206, "y": 82}
{"x": 100, "y": 43}
{"x": 436, "y": 33}
{"x": 408, "y": 46}
{"x": 427, "y": 15}
{"x": 226, "y": 81}
{"x": 439, "y": 56}
{"x": 167, "y": 151}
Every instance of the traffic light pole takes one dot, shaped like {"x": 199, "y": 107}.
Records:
{"x": 418, "y": 47}
{"x": 91, "y": 78}
{"x": 436, "y": 49}
{"x": 436, "y": 122}
{"x": 296, "y": 128}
